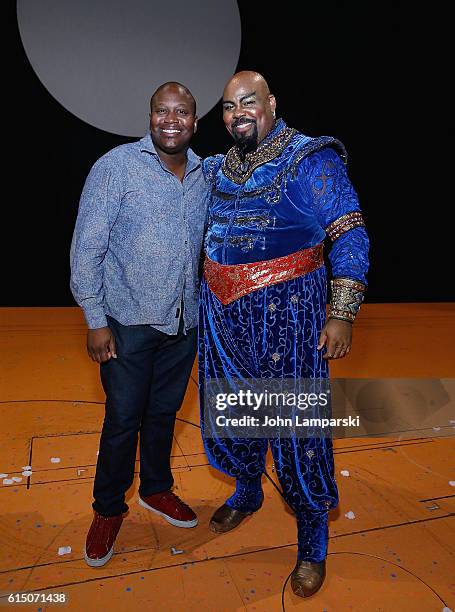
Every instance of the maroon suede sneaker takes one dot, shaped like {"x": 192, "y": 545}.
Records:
{"x": 170, "y": 507}
{"x": 99, "y": 546}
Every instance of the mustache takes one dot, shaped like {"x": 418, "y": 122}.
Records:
{"x": 242, "y": 121}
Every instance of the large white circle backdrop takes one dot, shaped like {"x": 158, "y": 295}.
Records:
{"x": 102, "y": 59}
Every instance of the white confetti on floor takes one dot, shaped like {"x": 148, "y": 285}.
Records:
{"x": 64, "y": 550}
{"x": 350, "y": 515}
{"x": 3, "y": 475}
{"x": 8, "y": 481}
{"x": 55, "y": 459}
{"x": 27, "y": 473}
{"x": 26, "y": 467}
{"x": 452, "y": 483}
{"x": 17, "y": 479}
{"x": 345, "y": 473}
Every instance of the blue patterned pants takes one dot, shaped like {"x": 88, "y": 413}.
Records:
{"x": 272, "y": 333}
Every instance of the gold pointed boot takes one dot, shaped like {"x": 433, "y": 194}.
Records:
{"x": 307, "y": 577}
{"x": 226, "y": 518}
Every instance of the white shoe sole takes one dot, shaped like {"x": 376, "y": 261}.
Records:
{"x": 98, "y": 562}
{"x": 169, "y": 519}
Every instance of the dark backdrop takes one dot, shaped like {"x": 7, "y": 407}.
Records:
{"x": 360, "y": 95}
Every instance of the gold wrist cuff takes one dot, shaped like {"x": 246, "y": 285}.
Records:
{"x": 347, "y": 295}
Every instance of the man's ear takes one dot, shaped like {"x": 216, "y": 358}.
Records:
{"x": 272, "y": 102}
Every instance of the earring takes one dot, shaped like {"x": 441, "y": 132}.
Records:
{"x": 274, "y": 114}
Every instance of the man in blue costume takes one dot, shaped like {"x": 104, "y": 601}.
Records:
{"x": 275, "y": 196}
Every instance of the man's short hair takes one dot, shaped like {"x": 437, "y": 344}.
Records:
{"x": 186, "y": 90}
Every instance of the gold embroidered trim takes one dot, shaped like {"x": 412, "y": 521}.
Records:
{"x": 347, "y": 295}
{"x": 240, "y": 171}
{"x": 344, "y": 224}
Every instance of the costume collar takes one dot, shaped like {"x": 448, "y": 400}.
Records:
{"x": 272, "y": 146}
{"x": 276, "y": 129}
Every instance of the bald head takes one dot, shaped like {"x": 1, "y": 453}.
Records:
{"x": 174, "y": 87}
{"x": 248, "y": 109}
{"x": 249, "y": 79}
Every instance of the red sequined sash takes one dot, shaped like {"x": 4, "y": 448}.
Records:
{"x": 230, "y": 282}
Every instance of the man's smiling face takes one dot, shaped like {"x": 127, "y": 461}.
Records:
{"x": 248, "y": 110}
{"x": 172, "y": 119}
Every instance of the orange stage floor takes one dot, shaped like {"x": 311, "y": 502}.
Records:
{"x": 397, "y": 554}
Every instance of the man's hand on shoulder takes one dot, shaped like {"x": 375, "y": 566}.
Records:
{"x": 101, "y": 344}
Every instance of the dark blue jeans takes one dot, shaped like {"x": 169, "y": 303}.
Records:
{"x": 144, "y": 389}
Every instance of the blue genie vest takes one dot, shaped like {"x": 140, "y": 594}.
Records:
{"x": 261, "y": 207}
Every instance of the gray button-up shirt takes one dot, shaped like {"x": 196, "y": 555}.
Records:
{"x": 137, "y": 242}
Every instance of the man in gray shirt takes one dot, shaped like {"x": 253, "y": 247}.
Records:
{"x": 135, "y": 272}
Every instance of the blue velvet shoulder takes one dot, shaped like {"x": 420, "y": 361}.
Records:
{"x": 287, "y": 162}
{"x": 210, "y": 167}
{"x": 306, "y": 146}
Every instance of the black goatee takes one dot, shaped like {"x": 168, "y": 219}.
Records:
{"x": 245, "y": 144}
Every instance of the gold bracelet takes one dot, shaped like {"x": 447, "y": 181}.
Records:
{"x": 347, "y": 295}
{"x": 344, "y": 224}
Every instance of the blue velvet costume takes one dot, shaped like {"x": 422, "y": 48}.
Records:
{"x": 295, "y": 188}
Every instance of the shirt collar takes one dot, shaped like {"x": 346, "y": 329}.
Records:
{"x": 146, "y": 144}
